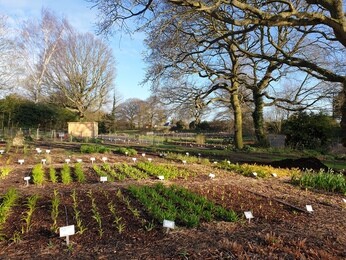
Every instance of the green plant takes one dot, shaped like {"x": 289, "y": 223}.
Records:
{"x": 96, "y": 214}
{"x": 66, "y": 174}
{"x": 85, "y": 148}
{"x": 327, "y": 181}
{"x": 125, "y": 151}
{"x": 17, "y": 237}
{"x": 4, "y": 171}
{"x": 78, "y": 170}
{"x": 55, "y": 210}
{"x": 8, "y": 201}
{"x": 31, "y": 205}
{"x": 52, "y": 174}
{"x": 77, "y": 217}
{"x": 38, "y": 174}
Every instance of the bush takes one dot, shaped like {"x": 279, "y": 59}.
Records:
{"x": 308, "y": 131}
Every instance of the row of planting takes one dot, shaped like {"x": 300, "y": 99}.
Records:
{"x": 167, "y": 171}
{"x": 85, "y": 148}
{"x": 100, "y": 219}
{"x": 66, "y": 175}
{"x": 180, "y": 205}
{"x": 261, "y": 171}
{"x": 327, "y": 181}
{"x": 142, "y": 170}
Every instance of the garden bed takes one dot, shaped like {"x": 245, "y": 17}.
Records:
{"x": 112, "y": 222}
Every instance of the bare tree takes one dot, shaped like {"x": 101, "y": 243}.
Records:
{"x": 322, "y": 21}
{"x": 8, "y": 65}
{"x": 130, "y": 110}
{"x": 38, "y": 42}
{"x": 82, "y": 72}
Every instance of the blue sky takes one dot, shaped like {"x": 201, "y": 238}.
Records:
{"x": 127, "y": 49}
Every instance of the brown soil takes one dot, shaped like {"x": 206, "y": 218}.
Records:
{"x": 281, "y": 227}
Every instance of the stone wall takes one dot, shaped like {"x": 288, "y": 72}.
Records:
{"x": 83, "y": 129}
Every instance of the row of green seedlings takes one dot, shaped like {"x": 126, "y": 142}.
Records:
{"x": 31, "y": 205}
{"x": 262, "y": 171}
{"x": 39, "y": 175}
{"x": 8, "y": 201}
{"x": 327, "y": 181}
{"x": 187, "y": 158}
{"x": 119, "y": 172}
{"x": 180, "y": 205}
{"x": 147, "y": 225}
{"x": 168, "y": 171}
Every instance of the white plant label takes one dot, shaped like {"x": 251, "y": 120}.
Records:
{"x": 43, "y": 161}
{"x": 344, "y": 200}
{"x": 39, "y": 151}
{"x": 134, "y": 159}
{"x": 126, "y": 153}
{"x": 254, "y": 174}
{"x": 2, "y": 151}
{"x": 248, "y": 215}
{"x": 211, "y": 175}
{"x": 309, "y": 208}
{"x": 187, "y": 154}
{"x": 161, "y": 177}
{"x": 184, "y": 162}
{"x": 92, "y": 159}
{"x": 104, "y": 159}
{"x": 274, "y": 175}
{"x": 79, "y": 160}
{"x": 66, "y": 232}
{"x": 168, "y": 224}
{"x": 229, "y": 162}
{"x": 67, "y": 160}
{"x": 26, "y": 179}
{"x": 215, "y": 162}
{"x": 149, "y": 159}
{"x": 47, "y": 151}
{"x": 21, "y": 161}
{"x": 103, "y": 178}
{"x": 143, "y": 154}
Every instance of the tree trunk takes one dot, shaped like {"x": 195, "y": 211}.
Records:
{"x": 258, "y": 120}
{"x": 343, "y": 117}
{"x": 238, "y": 120}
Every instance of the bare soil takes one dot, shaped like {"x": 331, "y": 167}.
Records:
{"x": 281, "y": 228}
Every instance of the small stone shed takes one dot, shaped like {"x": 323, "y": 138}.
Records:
{"x": 83, "y": 129}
